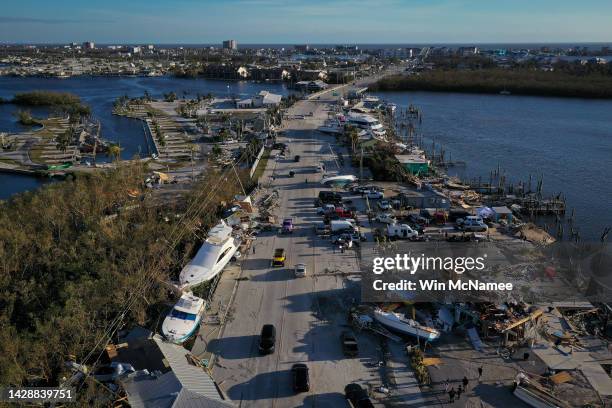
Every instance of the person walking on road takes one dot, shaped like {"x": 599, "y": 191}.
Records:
{"x": 459, "y": 391}
{"x": 451, "y": 395}
{"x": 253, "y": 249}
{"x": 446, "y": 385}
{"x": 479, "y": 372}
{"x": 465, "y": 382}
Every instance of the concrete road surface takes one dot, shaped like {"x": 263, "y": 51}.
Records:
{"x": 309, "y": 313}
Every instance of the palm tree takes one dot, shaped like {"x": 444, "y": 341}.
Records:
{"x": 114, "y": 151}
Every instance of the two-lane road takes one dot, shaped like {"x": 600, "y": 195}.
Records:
{"x": 309, "y": 313}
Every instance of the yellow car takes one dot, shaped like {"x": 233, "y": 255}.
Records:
{"x": 279, "y": 257}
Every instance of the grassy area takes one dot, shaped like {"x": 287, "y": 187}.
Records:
{"x": 67, "y": 271}
{"x": 495, "y": 80}
{"x": 261, "y": 166}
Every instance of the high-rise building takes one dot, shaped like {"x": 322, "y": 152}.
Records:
{"x": 89, "y": 45}
{"x": 230, "y": 45}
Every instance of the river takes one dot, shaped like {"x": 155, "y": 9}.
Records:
{"x": 100, "y": 93}
{"x": 566, "y": 141}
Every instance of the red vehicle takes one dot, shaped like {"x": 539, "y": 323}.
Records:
{"x": 344, "y": 213}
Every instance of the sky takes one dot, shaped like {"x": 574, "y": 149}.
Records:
{"x": 306, "y": 21}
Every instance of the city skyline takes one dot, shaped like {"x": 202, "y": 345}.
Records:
{"x": 285, "y": 22}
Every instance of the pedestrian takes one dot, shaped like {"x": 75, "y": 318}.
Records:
{"x": 253, "y": 249}
{"x": 446, "y": 385}
{"x": 451, "y": 395}
{"x": 341, "y": 249}
{"x": 465, "y": 382}
{"x": 525, "y": 356}
{"x": 459, "y": 391}
{"x": 479, "y": 372}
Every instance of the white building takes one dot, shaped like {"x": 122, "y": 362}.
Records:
{"x": 230, "y": 45}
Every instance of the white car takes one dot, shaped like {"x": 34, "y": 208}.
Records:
{"x": 384, "y": 205}
{"x": 374, "y": 194}
{"x": 300, "y": 270}
{"x": 474, "y": 226}
{"x": 470, "y": 219}
{"x": 386, "y": 218}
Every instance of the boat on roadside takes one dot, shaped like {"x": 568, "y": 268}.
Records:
{"x": 339, "y": 181}
{"x": 211, "y": 258}
{"x": 331, "y": 126}
{"x": 184, "y": 318}
{"x": 401, "y": 324}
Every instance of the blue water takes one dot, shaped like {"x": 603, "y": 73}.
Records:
{"x": 567, "y": 141}
{"x": 100, "y": 93}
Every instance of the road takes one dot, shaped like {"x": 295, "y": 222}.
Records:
{"x": 309, "y": 313}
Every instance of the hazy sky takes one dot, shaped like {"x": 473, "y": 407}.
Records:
{"x": 307, "y": 21}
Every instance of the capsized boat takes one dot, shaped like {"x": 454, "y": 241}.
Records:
{"x": 184, "y": 318}
{"x": 401, "y": 324}
{"x": 215, "y": 253}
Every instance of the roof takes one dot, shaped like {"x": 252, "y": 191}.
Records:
{"x": 501, "y": 210}
{"x": 191, "y": 377}
{"x": 146, "y": 390}
{"x": 165, "y": 374}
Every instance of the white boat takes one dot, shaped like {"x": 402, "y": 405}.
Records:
{"x": 399, "y": 323}
{"x": 215, "y": 253}
{"x": 367, "y": 122}
{"x": 332, "y": 126}
{"x": 339, "y": 180}
{"x": 184, "y": 318}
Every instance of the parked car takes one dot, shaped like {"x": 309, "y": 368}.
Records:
{"x": 357, "y": 396}
{"x": 300, "y": 270}
{"x": 330, "y": 197}
{"x": 326, "y": 209}
{"x": 350, "y": 347}
{"x": 474, "y": 226}
{"x": 384, "y": 205}
{"x": 267, "y": 339}
{"x": 417, "y": 219}
{"x": 469, "y": 218}
{"x": 373, "y": 194}
{"x": 301, "y": 381}
{"x": 386, "y": 218}
{"x": 291, "y": 173}
{"x": 296, "y": 158}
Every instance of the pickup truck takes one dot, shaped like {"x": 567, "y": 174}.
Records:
{"x": 279, "y": 257}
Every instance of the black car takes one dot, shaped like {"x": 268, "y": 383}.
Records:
{"x": 296, "y": 158}
{"x": 357, "y": 396}
{"x": 267, "y": 340}
{"x": 350, "y": 348}
{"x": 301, "y": 382}
{"x": 329, "y": 197}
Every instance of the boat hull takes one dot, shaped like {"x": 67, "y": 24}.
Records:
{"x": 405, "y": 328}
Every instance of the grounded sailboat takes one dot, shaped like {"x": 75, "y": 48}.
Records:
{"x": 401, "y": 324}
{"x": 215, "y": 253}
{"x": 184, "y": 318}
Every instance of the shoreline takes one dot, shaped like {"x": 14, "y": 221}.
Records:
{"x": 507, "y": 84}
